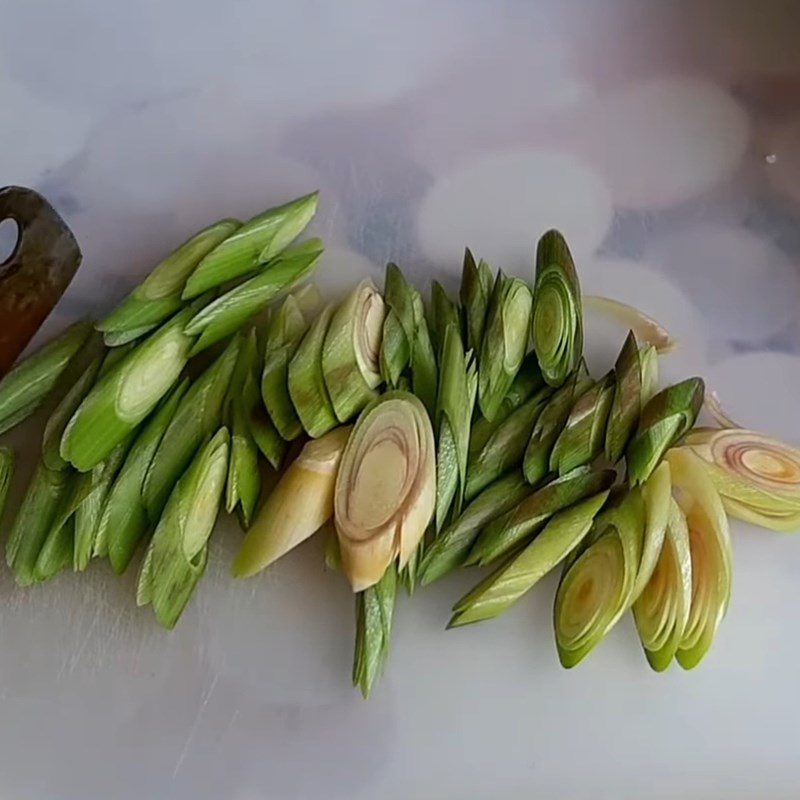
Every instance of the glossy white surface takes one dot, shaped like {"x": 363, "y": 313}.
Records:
{"x": 662, "y": 137}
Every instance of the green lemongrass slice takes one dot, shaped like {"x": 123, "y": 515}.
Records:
{"x": 178, "y": 552}
{"x": 476, "y": 290}
{"x": 596, "y": 587}
{"x": 505, "y": 446}
{"x": 444, "y": 313}
{"x": 57, "y": 422}
{"x": 648, "y": 361}
{"x": 499, "y": 591}
{"x": 6, "y": 475}
{"x": 124, "y": 522}
{"x": 46, "y": 492}
{"x": 505, "y": 533}
{"x": 536, "y": 460}
{"x": 758, "y": 477}
{"x": 557, "y": 322}
{"x": 627, "y": 403}
{"x": 505, "y": 341}
{"x": 657, "y": 492}
{"x": 127, "y": 394}
{"x": 256, "y": 242}
{"x": 665, "y": 418}
{"x": 386, "y": 487}
{"x": 32, "y": 379}
{"x": 198, "y": 415}
{"x": 234, "y": 309}
{"x": 457, "y": 388}
{"x": 262, "y": 431}
{"x": 424, "y": 371}
{"x": 662, "y": 609}
{"x": 646, "y": 328}
{"x": 57, "y": 551}
{"x": 398, "y": 326}
{"x": 351, "y": 351}
{"x": 306, "y": 382}
{"x": 374, "y": 615}
{"x": 120, "y": 338}
{"x": 159, "y": 295}
{"x": 300, "y": 504}
{"x": 710, "y": 546}
{"x": 584, "y": 432}
{"x": 450, "y": 548}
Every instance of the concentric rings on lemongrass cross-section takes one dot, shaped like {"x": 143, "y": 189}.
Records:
{"x": 500, "y": 204}
{"x": 664, "y": 141}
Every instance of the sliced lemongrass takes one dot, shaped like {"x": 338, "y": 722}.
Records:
{"x": 32, "y": 379}
{"x": 536, "y": 459}
{"x": 596, "y": 587}
{"x": 57, "y": 551}
{"x": 119, "y": 402}
{"x": 499, "y": 591}
{"x": 648, "y": 360}
{"x": 398, "y": 326}
{"x": 444, "y": 313}
{"x": 758, "y": 477}
{"x": 457, "y": 389}
{"x": 583, "y": 436}
{"x": 351, "y": 351}
{"x": 645, "y": 328}
{"x": 507, "y": 532}
{"x": 385, "y": 488}
{"x": 710, "y": 546}
{"x": 198, "y": 415}
{"x": 234, "y": 309}
{"x": 661, "y": 610}
{"x": 409, "y": 575}
{"x": 714, "y": 406}
{"x": 505, "y": 341}
{"x": 476, "y": 289}
{"x": 424, "y": 369}
{"x": 656, "y": 492}
{"x": 300, "y": 504}
{"x": 159, "y": 295}
{"x": 124, "y": 522}
{"x": 627, "y": 402}
{"x": 255, "y": 243}
{"x": 665, "y": 418}
{"x": 450, "y": 548}
{"x": 557, "y": 320}
{"x": 505, "y": 446}
{"x": 306, "y": 382}
{"x": 374, "y": 615}
{"x": 46, "y": 492}
{"x": 6, "y": 475}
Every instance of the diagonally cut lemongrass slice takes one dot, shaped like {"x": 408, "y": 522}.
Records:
{"x": 457, "y": 389}
{"x": 645, "y": 328}
{"x": 385, "y": 488}
{"x": 127, "y": 394}
{"x": 500, "y": 590}
{"x": 178, "y": 552}
{"x": 297, "y": 507}
{"x": 710, "y": 546}
{"x": 557, "y": 320}
{"x": 46, "y": 492}
{"x": 306, "y": 381}
{"x": 648, "y": 361}
{"x": 33, "y": 378}
{"x": 657, "y": 493}
{"x": 6, "y": 475}
{"x": 234, "y": 309}
{"x": 351, "y": 351}
{"x": 662, "y": 609}
{"x": 504, "y": 534}
{"x": 536, "y": 459}
{"x": 120, "y": 338}
{"x": 124, "y": 522}
{"x": 627, "y": 403}
{"x": 57, "y": 551}
{"x": 584, "y": 432}
{"x": 596, "y": 587}
{"x": 255, "y": 243}
{"x": 444, "y": 313}
{"x": 505, "y": 446}
{"x": 758, "y": 477}
{"x": 198, "y": 415}
{"x": 449, "y": 550}
{"x": 476, "y": 289}
{"x": 505, "y": 342}
{"x": 665, "y": 418}
{"x": 398, "y": 326}
{"x": 424, "y": 370}
{"x": 159, "y": 295}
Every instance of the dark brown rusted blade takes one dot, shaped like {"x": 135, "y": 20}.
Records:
{"x": 35, "y": 275}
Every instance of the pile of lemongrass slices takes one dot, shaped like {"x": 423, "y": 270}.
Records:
{"x": 420, "y": 439}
